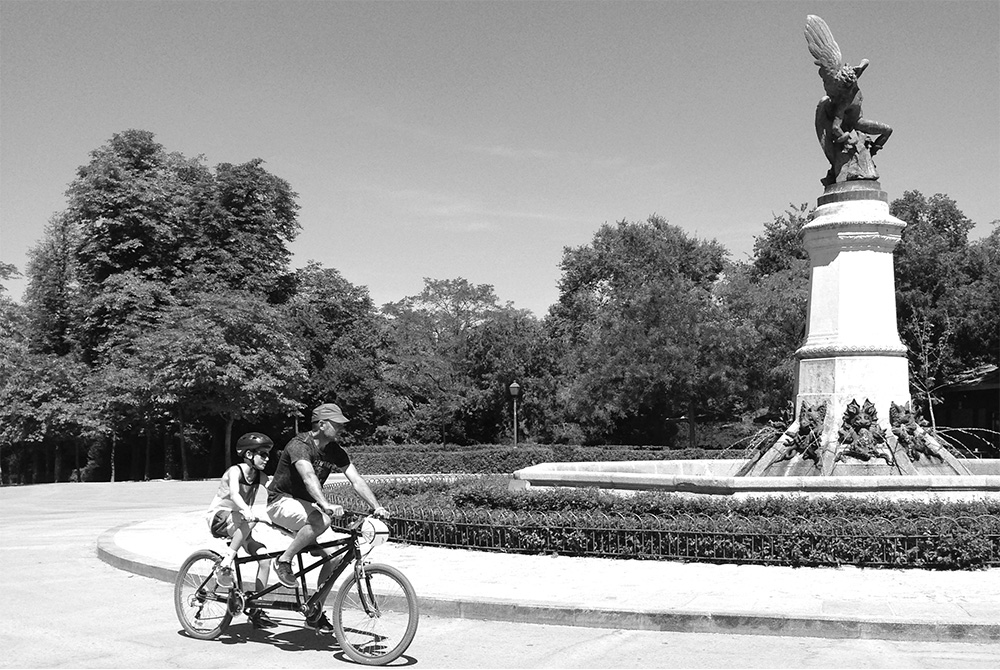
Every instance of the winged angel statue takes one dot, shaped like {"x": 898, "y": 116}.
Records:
{"x": 843, "y": 132}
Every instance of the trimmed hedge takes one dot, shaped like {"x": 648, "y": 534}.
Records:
{"x": 480, "y": 513}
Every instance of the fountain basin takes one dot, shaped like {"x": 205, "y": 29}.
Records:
{"x": 717, "y": 478}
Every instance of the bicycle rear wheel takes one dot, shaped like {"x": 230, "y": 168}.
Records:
{"x": 375, "y": 621}
{"x": 202, "y": 605}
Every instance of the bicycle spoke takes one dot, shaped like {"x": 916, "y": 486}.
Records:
{"x": 378, "y": 627}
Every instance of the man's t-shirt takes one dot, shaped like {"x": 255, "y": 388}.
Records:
{"x": 287, "y": 480}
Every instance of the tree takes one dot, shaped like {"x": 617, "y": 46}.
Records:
{"x": 11, "y": 314}
{"x": 53, "y": 296}
{"x": 641, "y": 333}
{"x": 768, "y": 297}
{"x": 780, "y": 247}
{"x": 148, "y": 218}
{"x": 428, "y": 345}
{"x": 260, "y": 219}
{"x": 508, "y": 345}
{"x": 44, "y": 407}
{"x": 942, "y": 286}
{"x": 220, "y": 352}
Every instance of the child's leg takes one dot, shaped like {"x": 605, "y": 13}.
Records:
{"x": 241, "y": 532}
{"x": 263, "y": 567}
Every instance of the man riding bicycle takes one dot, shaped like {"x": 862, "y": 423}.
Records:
{"x": 295, "y": 494}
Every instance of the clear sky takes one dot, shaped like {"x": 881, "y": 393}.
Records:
{"x": 478, "y": 139}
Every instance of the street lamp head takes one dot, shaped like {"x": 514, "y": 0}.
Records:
{"x": 515, "y": 390}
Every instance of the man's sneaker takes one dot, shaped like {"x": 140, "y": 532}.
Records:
{"x": 320, "y": 624}
{"x": 283, "y": 570}
{"x": 258, "y": 619}
{"x": 224, "y": 576}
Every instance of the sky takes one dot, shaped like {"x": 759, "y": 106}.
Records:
{"x": 481, "y": 139}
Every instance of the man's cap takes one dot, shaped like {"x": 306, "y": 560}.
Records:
{"x": 329, "y": 412}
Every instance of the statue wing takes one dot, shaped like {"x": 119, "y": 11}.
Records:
{"x": 825, "y": 51}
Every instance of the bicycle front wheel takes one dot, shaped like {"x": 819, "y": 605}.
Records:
{"x": 202, "y": 605}
{"x": 375, "y": 619}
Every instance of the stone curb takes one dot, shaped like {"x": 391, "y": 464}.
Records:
{"x": 492, "y": 609}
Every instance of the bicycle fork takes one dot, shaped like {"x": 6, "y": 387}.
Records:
{"x": 365, "y": 593}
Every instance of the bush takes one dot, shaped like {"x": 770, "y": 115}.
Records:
{"x": 480, "y": 512}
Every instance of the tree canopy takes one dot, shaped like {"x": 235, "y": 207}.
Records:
{"x": 162, "y": 315}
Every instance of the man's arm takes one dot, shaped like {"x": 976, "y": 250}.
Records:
{"x": 315, "y": 489}
{"x": 363, "y": 490}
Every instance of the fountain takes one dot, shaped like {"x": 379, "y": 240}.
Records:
{"x": 854, "y": 429}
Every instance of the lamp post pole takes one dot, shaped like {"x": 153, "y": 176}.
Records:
{"x": 515, "y": 391}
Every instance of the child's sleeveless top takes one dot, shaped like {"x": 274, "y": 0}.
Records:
{"x": 248, "y": 491}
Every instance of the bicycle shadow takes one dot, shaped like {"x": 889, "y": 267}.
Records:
{"x": 291, "y": 636}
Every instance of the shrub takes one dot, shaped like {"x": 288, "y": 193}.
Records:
{"x": 480, "y": 512}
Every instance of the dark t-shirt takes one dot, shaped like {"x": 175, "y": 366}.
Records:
{"x": 287, "y": 480}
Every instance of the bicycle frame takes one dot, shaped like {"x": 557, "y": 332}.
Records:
{"x": 304, "y": 603}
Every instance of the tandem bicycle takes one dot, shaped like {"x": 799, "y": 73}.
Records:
{"x": 374, "y": 613}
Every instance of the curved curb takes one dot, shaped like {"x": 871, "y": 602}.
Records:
{"x": 491, "y": 609}
{"x": 117, "y": 557}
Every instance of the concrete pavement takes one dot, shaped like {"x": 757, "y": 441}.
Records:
{"x": 626, "y": 594}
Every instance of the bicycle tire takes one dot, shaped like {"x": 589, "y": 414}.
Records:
{"x": 382, "y": 638}
{"x": 202, "y": 605}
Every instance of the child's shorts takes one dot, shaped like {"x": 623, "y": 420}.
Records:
{"x": 224, "y": 523}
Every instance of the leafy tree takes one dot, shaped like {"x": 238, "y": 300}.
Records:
{"x": 509, "y": 345}
{"x": 429, "y": 346}
{"x": 11, "y": 314}
{"x": 220, "y": 352}
{"x": 642, "y": 336}
{"x": 977, "y": 337}
{"x": 942, "y": 288}
{"x": 335, "y": 326}
{"x": 780, "y": 247}
{"x": 260, "y": 219}
{"x": 768, "y": 297}
{"x": 44, "y": 407}
{"x": 52, "y": 296}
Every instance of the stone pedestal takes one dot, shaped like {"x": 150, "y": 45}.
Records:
{"x": 852, "y": 351}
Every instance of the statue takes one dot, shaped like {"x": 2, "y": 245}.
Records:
{"x": 805, "y": 440}
{"x": 842, "y": 131}
{"x": 910, "y": 433}
{"x": 861, "y": 436}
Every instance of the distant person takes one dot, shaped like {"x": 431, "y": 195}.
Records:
{"x": 231, "y": 514}
{"x": 295, "y": 494}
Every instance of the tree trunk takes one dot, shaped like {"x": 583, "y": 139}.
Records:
{"x": 76, "y": 461}
{"x": 168, "y": 454}
{"x": 113, "y": 445}
{"x": 692, "y": 433}
{"x": 230, "y": 419}
{"x": 184, "y": 459}
{"x": 149, "y": 445}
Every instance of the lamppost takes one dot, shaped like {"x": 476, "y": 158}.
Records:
{"x": 515, "y": 391}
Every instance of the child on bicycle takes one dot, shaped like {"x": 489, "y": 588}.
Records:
{"x": 231, "y": 514}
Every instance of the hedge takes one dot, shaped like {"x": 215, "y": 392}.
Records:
{"x": 480, "y": 513}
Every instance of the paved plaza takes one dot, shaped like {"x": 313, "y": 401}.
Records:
{"x": 842, "y": 602}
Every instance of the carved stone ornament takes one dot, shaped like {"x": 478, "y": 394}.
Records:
{"x": 842, "y": 130}
{"x": 860, "y": 435}
{"x": 908, "y": 428}
{"x": 806, "y": 440}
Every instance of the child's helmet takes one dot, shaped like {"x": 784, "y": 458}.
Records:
{"x": 253, "y": 442}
